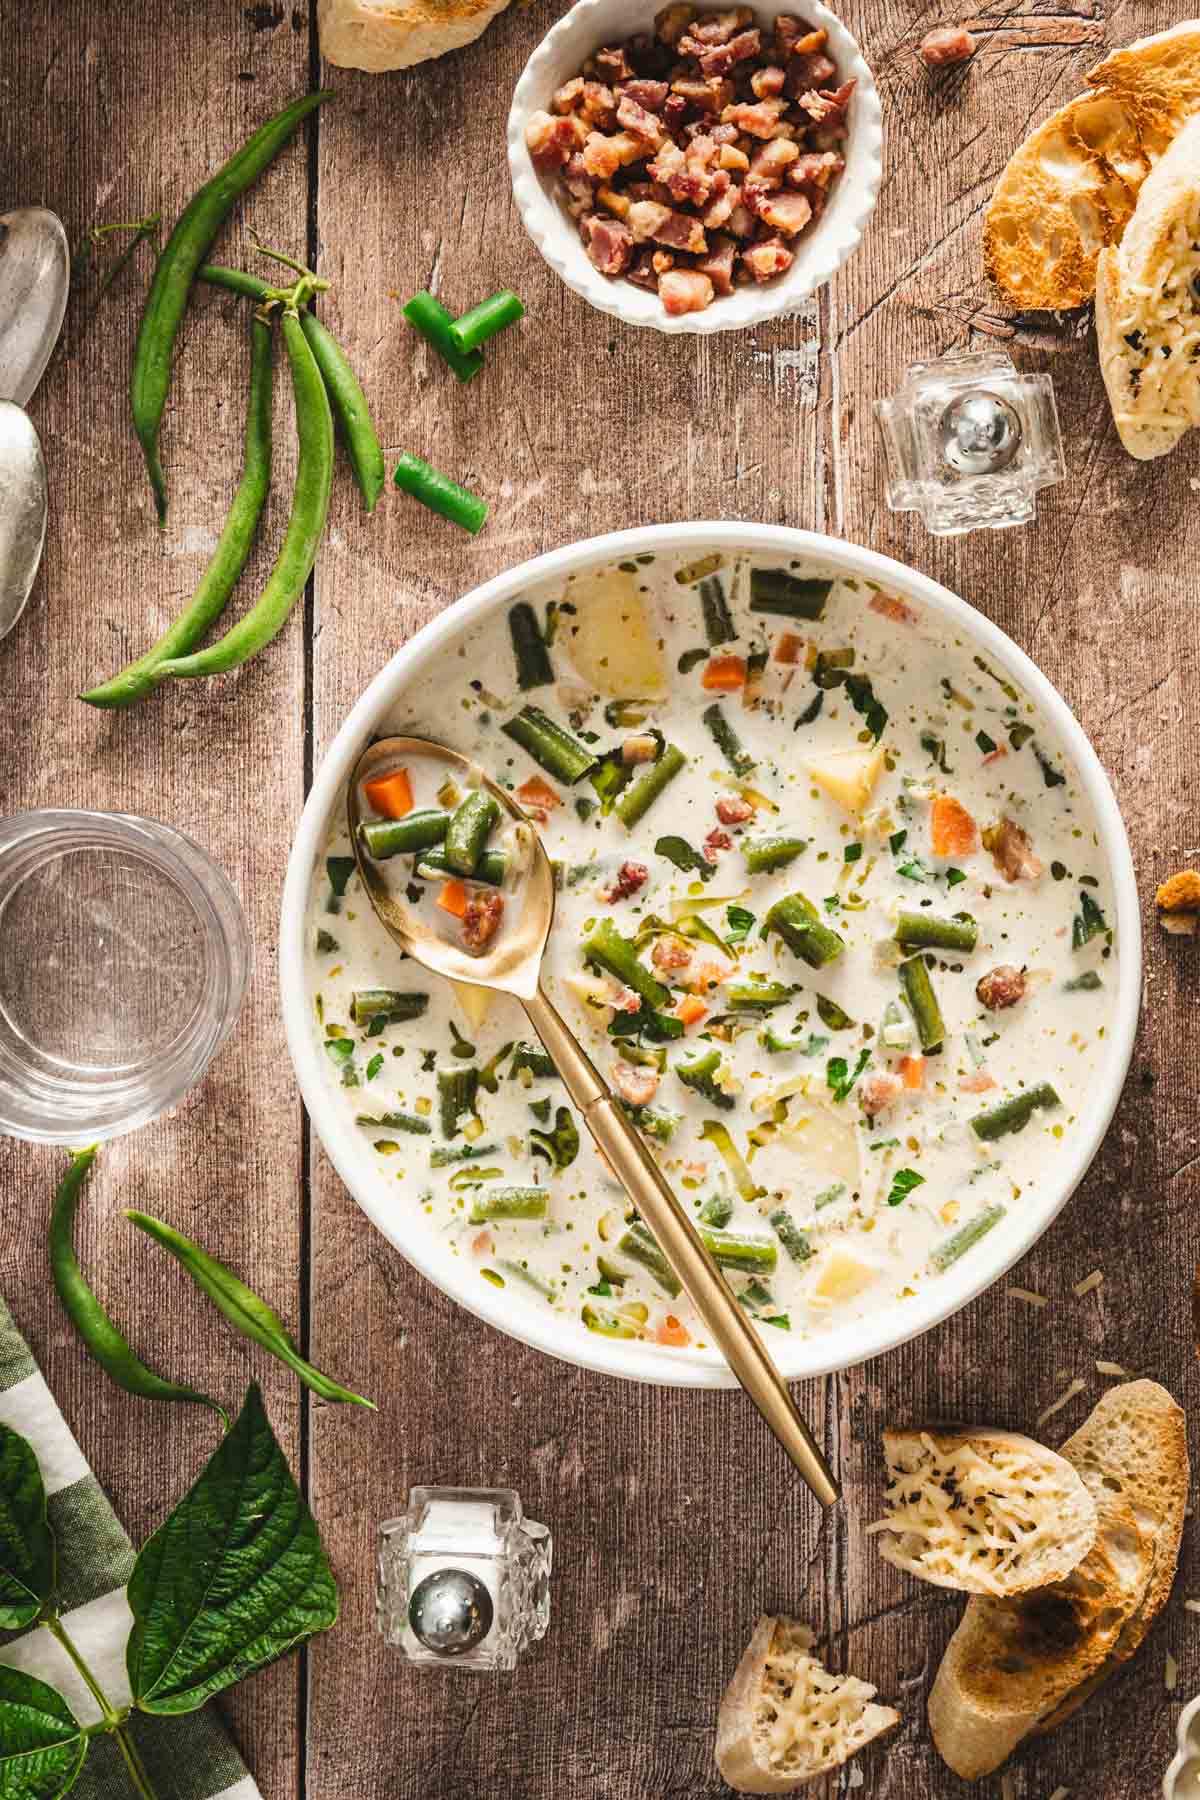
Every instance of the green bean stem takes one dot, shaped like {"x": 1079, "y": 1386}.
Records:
{"x": 236, "y": 281}
{"x": 219, "y": 579}
{"x": 923, "y": 1003}
{"x": 767, "y": 854}
{"x": 99, "y": 1334}
{"x": 430, "y": 318}
{"x": 350, "y": 409}
{"x": 305, "y": 528}
{"x": 416, "y": 831}
{"x": 795, "y": 919}
{"x": 386, "y": 1003}
{"x": 1014, "y": 1114}
{"x": 471, "y": 823}
{"x": 924, "y": 931}
{"x": 508, "y": 1203}
{"x": 485, "y": 320}
{"x": 175, "y": 271}
{"x": 440, "y": 494}
{"x": 637, "y": 799}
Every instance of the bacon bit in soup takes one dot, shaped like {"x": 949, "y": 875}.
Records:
{"x": 892, "y": 607}
{"x": 536, "y": 792}
{"x": 980, "y": 1082}
{"x": 724, "y": 674}
{"x": 788, "y": 648}
{"x": 626, "y": 1001}
{"x": 637, "y": 1087}
{"x": 733, "y": 810}
{"x": 953, "y": 831}
{"x": 670, "y": 953}
{"x": 481, "y": 920}
{"x": 483, "y": 1243}
{"x": 390, "y": 795}
{"x": 630, "y": 877}
{"x": 877, "y": 1092}
{"x": 716, "y": 841}
{"x": 1012, "y": 851}
{"x": 673, "y": 1333}
{"x": 1001, "y": 987}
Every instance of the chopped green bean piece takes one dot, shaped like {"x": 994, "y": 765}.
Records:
{"x": 395, "y": 1121}
{"x": 456, "y": 1096}
{"x": 951, "y": 1248}
{"x": 386, "y": 1003}
{"x": 416, "y": 831}
{"x": 727, "y": 740}
{"x": 719, "y": 627}
{"x": 792, "y": 597}
{"x": 925, "y": 931}
{"x": 471, "y": 824}
{"x": 534, "y": 668}
{"x": 733, "y": 1250}
{"x": 640, "y": 1247}
{"x": 765, "y": 855}
{"x": 794, "y": 1241}
{"x": 550, "y": 744}
{"x": 923, "y": 1003}
{"x": 1014, "y": 1114}
{"x": 701, "y": 1076}
{"x": 508, "y": 1203}
{"x": 637, "y": 799}
{"x": 795, "y": 919}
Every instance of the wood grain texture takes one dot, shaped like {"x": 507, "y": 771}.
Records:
{"x": 674, "y": 1522}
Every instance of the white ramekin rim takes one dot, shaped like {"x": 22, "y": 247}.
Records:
{"x": 858, "y": 1340}
{"x": 820, "y": 253}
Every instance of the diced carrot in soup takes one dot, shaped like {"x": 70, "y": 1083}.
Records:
{"x": 724, "y": 674}
{"x": 673, "y": 1332}
{"x": 912, "y": 1068}
{"x": 390, "y": 794}
{"x": 691, "y": 1009}
{"x": 953, "y": 831}
{"x": 536, "y": 792}
{"x": 454, "y": 898}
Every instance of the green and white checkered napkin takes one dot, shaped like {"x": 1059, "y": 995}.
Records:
{"x": 188, "y": 1758}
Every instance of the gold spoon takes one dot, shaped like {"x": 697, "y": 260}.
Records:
{"x": 513, "y": 966}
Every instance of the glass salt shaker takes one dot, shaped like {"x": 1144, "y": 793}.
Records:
{"x": 970, "y": 442}
{"x": 464, "y": 1578}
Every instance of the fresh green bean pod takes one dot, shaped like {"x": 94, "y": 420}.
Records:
{"x": 235, "y": 281}
{"x": 727, "y": 740}
{"x": 350, "y": 409}
{"x": 924, "y": 931}
{"x": 968, "y": 1235}
{"x": 923, "y": 1003}
{"x": 794, "y": 1241}
{"x": 561, "y": 754}
{"x": 491, "y": 869}
{"x": 244, "y": 1309}
{"x": 508, "y": 1203}
{"x": 640, "y": 1247}
{"x": 617, "y": 956}
{"x": 1014, "y": 1114}
{"x": 388, "y": 1003}
{"x": 428, "y": 316}
{"x": 411, "y": 1123}
{"x": 796, "y": 920}
{"x": 414, "y": 476}
{"x": 305, "y": 528}
{"x": 767, "y": 854}
{"x": 141, "y": 677}
{"x": 416, "y": 831}
{"x": 99, "y": 1334}
{"x": 637, "y": 799}
{"x": 167, "y": 300}
{"x": 471, "y": 824}
{"x": 732, "y": 1250}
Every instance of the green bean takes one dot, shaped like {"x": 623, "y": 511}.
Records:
{"x": 350, "y": 409}
{"x": 167, "y": 300}
{"x": 654, "y": 1121}
{"x": 802, "y": 929}
{"x": 727, "y": 740}
{"x": 611, "y": 1271}
{"x": 519, "y": 1272}
{"x": 430, "y": 318}
{"x": 640, "y": 1247}
{"x": 731, "y": 1250}
{"x": 924, "y": 931}
{"x": 305, "y": 528}
{"x": 794, "y": 1241}
{"x": 717, "y": 1211}
{"x": 485, "y": 320}
{"x": 637, "y": 799}
{"x": 607, "y": 1323}
{"x": 441, "y": 495}
{"x": 534, "y": 668}
{"x": 1014, "y": 1114}
{"x": 444, "y": 1156}
{"x": 85, "y": 1312}
{"x": 550, "y": 744}
{"x": 416, "y": 831}
{"x": 471, "y": 824}
{"x": 534, "y": 1058}
{"x": 719, "y": 627}
{"x": 713, "y": 1132}
{"x": 701, "y": 1076}
{"x": 244, "y": 1309}
{"x": 396, "y": 1121}
{"x": 491, "y": 869}
{"x": 139, "y": 678}
{"x": 775, "y": 591}
{"x": 756, "y": 996}
{"x": 951, "y": 1248}
{"x": 386, "y": 1003}
{"x": 509, "y": 1203}
{"x": 767, "y": 854}
{"x": 923, "y": 1003}
{"x": 457, "y": 1089}
{"x": 617, "y": 956}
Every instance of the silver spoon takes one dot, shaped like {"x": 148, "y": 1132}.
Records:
{"x": 513, "y": 965}
{"x": 23, "y": 507}
{"x": 35, "y": 278}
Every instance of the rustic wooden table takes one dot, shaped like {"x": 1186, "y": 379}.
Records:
{"x": 674, "y": 1519}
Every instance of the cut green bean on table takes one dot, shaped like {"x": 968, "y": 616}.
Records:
{"x": 473, "y": 329}
{"x": 428, "y": 316}
{"x": 440, "y": 494}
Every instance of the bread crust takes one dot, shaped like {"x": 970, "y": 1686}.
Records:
{"x": 394, "y": 34}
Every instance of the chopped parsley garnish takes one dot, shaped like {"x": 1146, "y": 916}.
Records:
{"x": 986, "y": 744}
{"x": 1050, "y": 775}
{"x": 740, "y": 923}
{"x": 1019, "y": 735}
{"x": 903, "y": 1183}
{"x": 935, "y": 750}
{"x": 897, "y": 842}
{"x": 340, "y": 1051}
{"x": 1089, "y": 921}
{"x": 677, "y": 850}
{"x": 852, "y": 853}
{"x": 374, "y": 1066}
{"x": 840, "y": 1078}
{"x": 954, "y": 876}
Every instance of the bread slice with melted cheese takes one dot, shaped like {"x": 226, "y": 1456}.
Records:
{"x": 1071, "y": 188}
{"x": 786, "y": 1720}
{"x": 985, "y": 1511}
{"x": 1148, "y": 307}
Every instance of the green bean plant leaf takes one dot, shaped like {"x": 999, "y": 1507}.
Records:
{"x": 27, "y": 1557}
{"x": 42, "y": 1744}
{"x": 235, "y": 1577}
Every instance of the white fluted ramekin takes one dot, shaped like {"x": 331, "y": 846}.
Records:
{"x": 820, "y": 252}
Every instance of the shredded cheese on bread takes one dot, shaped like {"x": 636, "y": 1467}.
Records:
{"x": 987, "y": 1512}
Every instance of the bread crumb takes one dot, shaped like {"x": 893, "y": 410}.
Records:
{"x": 1060, "y": 1793}
{"x": 1027, "y": 1295}
{"x": 1171, "y": 1673}
{"x": 1068, "y": 1394}
{"x": 1111, "y": 1368}
{"x": 1008, "y": 1787}
{"x": 1088, "y": 1283}
{"x": 1178, "y": 902}
{"x": 1191, "y": 1606}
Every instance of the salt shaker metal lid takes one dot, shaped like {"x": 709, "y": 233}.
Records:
{"x": 464, "y": 1579}
{"x": 970, "y": 442}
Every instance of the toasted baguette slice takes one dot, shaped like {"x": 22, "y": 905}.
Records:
{"x": 989, "y": 1512}
{"x": 1071, "y": 188}
{"x": 394, "y": 34}
{"x": 785, "y": 1720}
{"x": 1138, "y": 1430}
{"x": 1148, "y": 307}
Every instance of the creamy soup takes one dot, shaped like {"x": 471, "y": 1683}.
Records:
{"x": 832, "y": 918}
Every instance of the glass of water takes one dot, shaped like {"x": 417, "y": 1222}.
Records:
{"x": 123, "y": 962}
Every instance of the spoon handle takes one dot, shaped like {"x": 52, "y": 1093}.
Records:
{"x": 631, "y": 1162}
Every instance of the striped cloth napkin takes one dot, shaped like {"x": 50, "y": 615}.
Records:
{"x": 187, "y": 1758}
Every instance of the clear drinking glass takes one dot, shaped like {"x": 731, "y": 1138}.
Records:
{"x": 123, "y": 961}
